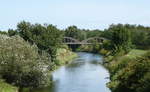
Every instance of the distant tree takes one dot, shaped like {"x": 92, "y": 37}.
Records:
{"x": 12, "y": 32}
{"x": 93, "y": 33}
{"x": 107, "y": 33}
{"x": 121, "y": 38}
{"x": 72, "y": 31}
{"x": 140, "y": 38}
{"x": 139, "y": 34}
{"x": 3, "y": 32}
{"x": 24, "y": 29}
{"x": 76, "y": 33}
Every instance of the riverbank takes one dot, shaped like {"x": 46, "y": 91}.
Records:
{"x": 93, "y": 49}
{"x": 114, "y": 61}
{"x": 64, "y": 56}
{"x": 82, "y": 74}
{"x": 5, "y": 87}
{"x": 129, "y": 73}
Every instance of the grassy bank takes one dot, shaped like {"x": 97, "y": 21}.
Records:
{"x": 64, "y": 56}
{"x": 4, "y": 87}
{"x": 132, "y": 54}
{"x": 130, "y": 72}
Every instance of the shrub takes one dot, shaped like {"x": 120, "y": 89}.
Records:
{"x": 133, "y": 76}
{"x": 21, "y": 64}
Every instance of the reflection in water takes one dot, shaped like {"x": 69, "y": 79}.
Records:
{"x": 84, "y": 74}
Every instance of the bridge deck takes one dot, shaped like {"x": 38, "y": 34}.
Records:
{"x": 80, "y": 43}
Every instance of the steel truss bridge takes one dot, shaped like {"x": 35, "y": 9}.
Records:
{"x": 71, "y": 41}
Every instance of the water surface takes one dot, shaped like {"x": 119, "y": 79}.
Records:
{"x": 84, "y": 74}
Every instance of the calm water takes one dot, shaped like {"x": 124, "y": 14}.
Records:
{"x": 84, "y": 74}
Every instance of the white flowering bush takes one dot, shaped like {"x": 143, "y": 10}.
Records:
{"x": 21, "y": 64}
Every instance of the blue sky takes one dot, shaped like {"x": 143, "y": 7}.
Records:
{"x": 88, "y": 14}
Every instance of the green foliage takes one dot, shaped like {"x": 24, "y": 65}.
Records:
{"x": 131, "y": 74}
{"x": 121, "y": 39}
{"x": 81, "y": 34}
{"x": 107, "y": 34}
{"x": 93, "y": 33}
{"x": 46, "y": 37}
{"x": 4, "y": 87}
{"x": 3, "y": 32}
{"x": 62, "y": 53}
{"x": 140, "y": 35}
{"x": 12, "y": 32}
{"x": 86, "y": 48}
{"x": 21, "y": 64}
{"x": 107, "y": 45}
{"x": 76, "y": 33}
{"x": 95, "y": 47}
{"x": 141, "y": 38}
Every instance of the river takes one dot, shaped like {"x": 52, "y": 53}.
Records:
{"x": 84, "y": 74}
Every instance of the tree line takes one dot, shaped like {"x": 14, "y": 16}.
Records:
{"x": 28, "y": 52}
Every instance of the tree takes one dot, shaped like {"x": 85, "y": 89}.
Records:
{"x": 53, "y": 39}
{"x": 46, "y": 37}
{"x": 121, "y": 38}
{"x": 21, "y": 64}
{"x": 93, "y": 33}
{"x": 24, "y": 29}
{"x": 76, "y": 33}
{"x": 3, "y": 32}
{"x": 12, "y": 32}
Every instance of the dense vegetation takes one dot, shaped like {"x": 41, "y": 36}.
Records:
{"x": 140, "y": 35}
{"x": 29, "y": 53}
{"x": 21, "y": 64}
{"x": 129, "y": 36}
{"x": 130, "y": 74}
{"x": 46, "y": 37}
{"x": 5, "y": 87}
{"x": 129, "y": 69}
{"x": 126, "y": 53}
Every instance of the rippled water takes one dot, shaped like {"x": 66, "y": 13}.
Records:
{"x": 84, "y": 74}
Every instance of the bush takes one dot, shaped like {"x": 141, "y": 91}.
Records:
{"x": 132, "y": 76}
{"x": 21, "y": 64}
{"x": 104, "y": 52}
